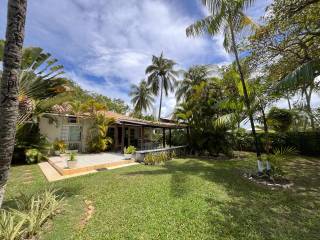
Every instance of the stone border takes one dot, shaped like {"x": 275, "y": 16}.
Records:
{"x": 264, "y": 182}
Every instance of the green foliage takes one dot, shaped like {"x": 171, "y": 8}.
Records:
{"x": 161, "y": 77}
{"x": 11, "y": 226}
{"x": 28, "y": 137}
{"x": 73, "y": 157}
{"x": 34, "y": 156}
{"x": 279, "y": 119}
{"x": 59, "y": 145}
{"x": 130, "y": 150}
{"x": 33, "y": 211}
{"x": 242, "y": 140}
{"x": 98, "y": 141}
{"x": 142, "y": 98}
{"x": 158, "y": 158}
{"x": 278, "y": 158}
{"x": 201, "y": 112}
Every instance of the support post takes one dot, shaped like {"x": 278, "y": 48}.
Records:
{"x": 164, "y": 137}
{"x": 122, "y": 138}
{"x": 142, "y": 137}
{"x": 170, "y": 144}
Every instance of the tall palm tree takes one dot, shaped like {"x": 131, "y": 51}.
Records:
{"x": 10, "y": 86}
{"x": 229, "y": 17}
{"x": 192, "y": 77}
{"x": 141, "y": 97}
{"x": 161, "y": 76}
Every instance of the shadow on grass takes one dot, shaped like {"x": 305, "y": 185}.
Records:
{"x": 252, "y": 211}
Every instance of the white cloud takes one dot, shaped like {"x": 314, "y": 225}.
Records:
{"x": 113, "y": 40}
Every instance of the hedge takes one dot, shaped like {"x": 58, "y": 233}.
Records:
{"x": 306, "y": 143}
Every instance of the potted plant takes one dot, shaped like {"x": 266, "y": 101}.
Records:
{"x": 59, "y": 147}
{"x": 129, "y": 152}
{"x": 72, "y": 162}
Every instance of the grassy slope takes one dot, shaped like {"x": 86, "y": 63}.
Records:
{"x": 186, "y": 199}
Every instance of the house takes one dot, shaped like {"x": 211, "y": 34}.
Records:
{"x": 124, "y": 132}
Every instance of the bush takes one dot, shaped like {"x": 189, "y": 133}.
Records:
{"x": 60, "y": 145}
{"x": 278, "y": 158}
{"x": 29, "y": 137}
{"x": 34, "y": 156}
{"x": 130, "y": 150}
{"x": 306, "y": 143}
{"x": 158, "y": 158}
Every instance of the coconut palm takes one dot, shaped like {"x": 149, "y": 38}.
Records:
{"x": 141, "y": 97}
{"x": 229, "y": 17}
{"x": 161, "y": 76}
{"x": 192, "y": 77}
{"x": 10, "y": 86}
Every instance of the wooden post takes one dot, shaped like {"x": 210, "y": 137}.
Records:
{"x": 142, "y": 137}
{"x": 122, "y": 138}
{"x": 170, "y": 137}
{"x": 129, "y": 138}
{"x": 116, "y": 142}
{"x": 164, "y": 137}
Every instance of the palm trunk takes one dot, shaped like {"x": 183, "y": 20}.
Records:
{"x": 268, "y": 144}
{"x": 246, "y": 98}
{"x": 309, "y": 109}
{"x": 288, "y": 100}
{"x": 9, "y": 86}
{"x": 161, "y": 93}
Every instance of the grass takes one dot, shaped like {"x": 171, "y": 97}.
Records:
{"x": 185, "y": 199}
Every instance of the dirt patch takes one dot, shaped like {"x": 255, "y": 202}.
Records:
{"x": 89, "y": 210}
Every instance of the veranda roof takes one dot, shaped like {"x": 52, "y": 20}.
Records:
{"x": 127, "y": 120}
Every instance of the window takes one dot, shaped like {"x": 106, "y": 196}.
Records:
{"x": 74, "y": 133}
{"x": 72, "y": 119}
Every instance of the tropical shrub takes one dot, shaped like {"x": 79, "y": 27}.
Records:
{"x": 278, "y": 158}
{"x": 28, "y": 137}
{"x": 34, "y": 156}
{"x": 11, "y": 226}
{"x": 130, "y": 150}
{"x": 242, "y": 140}
{"x": 31, "y": 213}
{"x": 158, "y": 158}
{"x": 72, "y": 156}
{"x": 98, "y": 141}
{"x": 60, "y": 145}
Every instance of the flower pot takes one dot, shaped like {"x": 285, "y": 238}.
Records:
{"x": 57, "y": 153}
{"x": 71, "y": 164}
{"x": 127, "y": 156}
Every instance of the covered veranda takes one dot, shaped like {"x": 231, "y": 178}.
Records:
{"x": 142, "y": 126}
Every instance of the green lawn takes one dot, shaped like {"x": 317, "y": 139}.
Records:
{"x": 186, "y": 199}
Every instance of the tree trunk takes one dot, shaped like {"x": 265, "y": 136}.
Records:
{"x": 9, "y": 86}
{"x": 246, "y": 98}
{"x": 161, "y": 93}
{"x": 289, "y": 103}
{"x": 268, "y": 144}
{"x": 309, "y": 110}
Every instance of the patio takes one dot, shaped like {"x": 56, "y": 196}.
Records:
{"x": 88, "y": 162}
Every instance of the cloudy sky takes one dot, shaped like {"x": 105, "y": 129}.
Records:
{"x": 105, "y": 45}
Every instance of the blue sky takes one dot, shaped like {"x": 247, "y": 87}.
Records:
{"x": 105, "y": 46}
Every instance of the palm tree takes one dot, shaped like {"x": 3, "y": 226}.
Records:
{"x": 228, "y": 16}
{"x": 141, "y": 97}
{"x": 161, "y": 76}
{"x": 39, "y": 82}
{"x": 192, "y": 77}
{"x": 10, "y": 86}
